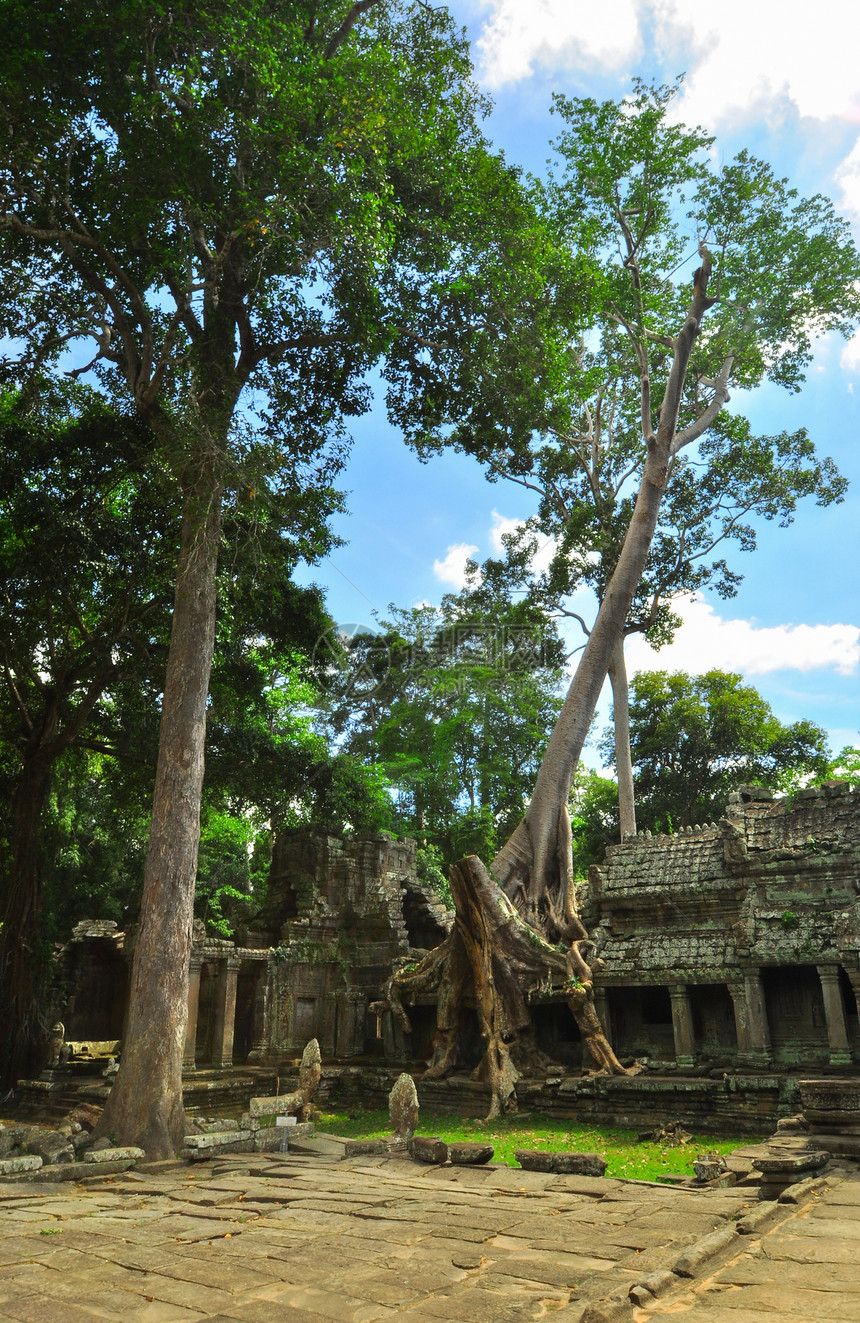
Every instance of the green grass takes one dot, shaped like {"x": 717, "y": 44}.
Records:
{"x": 624, "y": 1155}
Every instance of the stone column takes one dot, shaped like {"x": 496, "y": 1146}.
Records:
{"x": 834, "y": 1014}
{"x": 682, "y": 1026}
{"x": 754, "y": 1046}
{"x": 257, "y": 1049}
{"x": 189, "y": 1057}
{"x": 742, "y": 1028}
{"x": 225, "y": 1011}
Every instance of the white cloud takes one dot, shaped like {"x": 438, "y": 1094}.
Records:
{"x": 519, "y": 35}
{"x": 453, "y": 568}
{"x": 706, "y": 642}
{"x": 850, "y": 357}
{"x": 848, "y": 178}
{"x": 740, "y": 55}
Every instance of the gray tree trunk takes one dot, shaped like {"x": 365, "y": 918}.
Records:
{"x": 145, "y": 1104}
{"x": 621, "y": 726}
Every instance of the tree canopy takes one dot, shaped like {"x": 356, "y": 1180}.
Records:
{"x": 695, "y": 738}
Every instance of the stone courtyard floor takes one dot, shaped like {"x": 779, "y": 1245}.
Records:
{"x": 308, "y": 1238}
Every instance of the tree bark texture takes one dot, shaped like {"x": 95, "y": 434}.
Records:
{"x": 621, "y": 726}
{"x": 24, "y": 957}
{"x": 492, "y": 962}
{"x": 145, "y": 1104}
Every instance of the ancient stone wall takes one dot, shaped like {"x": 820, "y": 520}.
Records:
{"x": 751, "y": 925}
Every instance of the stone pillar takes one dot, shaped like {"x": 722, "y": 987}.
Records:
{"x": 682, "y": 1026}
{"x": 742, "y": 1028}
{"x": 754, "y": 1047}
{"x": 257, "y": 1050}
{"x": 189, "y": 1056}
{"x": 225, "y": 1011}
{"x": 834, "y": 1013}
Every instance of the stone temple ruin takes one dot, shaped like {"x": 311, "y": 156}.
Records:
{"x": 731, "y": 965}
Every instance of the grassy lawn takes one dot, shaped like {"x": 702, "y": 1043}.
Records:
{"x": 625, "y": 1156}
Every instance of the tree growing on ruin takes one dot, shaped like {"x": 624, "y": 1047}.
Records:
{"x": 643, "y": 196}
{"x": 233, "y": 207}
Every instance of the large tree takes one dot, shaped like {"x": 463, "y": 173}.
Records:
{"x": 234, "y": 205}
{"x": 643, "y": 196}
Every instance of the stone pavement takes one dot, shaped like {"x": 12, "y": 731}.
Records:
{"x": 806, "y": 1266}
{"x": 306, "y": 1239}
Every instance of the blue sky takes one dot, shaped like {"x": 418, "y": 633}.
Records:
{"x": 789, "y": 91}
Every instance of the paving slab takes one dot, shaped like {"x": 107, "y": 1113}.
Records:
{"x": 803, "y": 1264}
{"x": 304, "y": 1239}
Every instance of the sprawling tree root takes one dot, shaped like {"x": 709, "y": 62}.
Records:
{"x": 493, "y": 959}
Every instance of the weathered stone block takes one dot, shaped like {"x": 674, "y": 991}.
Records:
{"x": 269, "y": 1139}
{"x": 118, "y": 1154}
{"x": 578, "y": 1164}
{"x": 215, "y": 1141}
{"x": 426, "y": 1149}
{"x": 286, "y": 1104}
{"x": 9, "y": 1166}
{"x": 534, "y": 1159}
{"x": 364, "y": 1148}
{"x": 463, "y": 1155}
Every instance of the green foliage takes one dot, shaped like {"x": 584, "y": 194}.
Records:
{"x": 454, "y": 704}
{"x": 695, "y": 738}
{"x": 430, "y": 868}
{"x": 593, "y": 817}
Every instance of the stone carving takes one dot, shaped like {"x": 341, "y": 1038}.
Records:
{"x": 403, "y": 1109}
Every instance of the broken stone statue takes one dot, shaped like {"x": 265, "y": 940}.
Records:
{"x": 403, "y": 1110}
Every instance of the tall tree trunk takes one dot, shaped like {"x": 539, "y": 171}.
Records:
{"x": 145, "y": 1104}
{"x": 621, "y": 724}
{"x": 24, "y": 956}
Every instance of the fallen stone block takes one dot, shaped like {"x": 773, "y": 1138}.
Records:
{"x": 425, "y": 1148}
{"x": 656, "y": 1284}
{"x": 118, "y": 1154}
{"x": 229, "y": 1140}
{"x": 9, "y": 1166}
{"x": 364, "y": 1148}
{"x": 470, "y": 1155}
{"x": 284, "y": 1105}
{"x": 754, "y": 1219}
{"x": 694, "y": 1259}
{"x": 562, "y": 1164}
{"x": 799, "y": 1192}
{"x": 98, "y": 1172}
{"x": 578, "y": 1164}
{"x": 534, "y": 1159}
